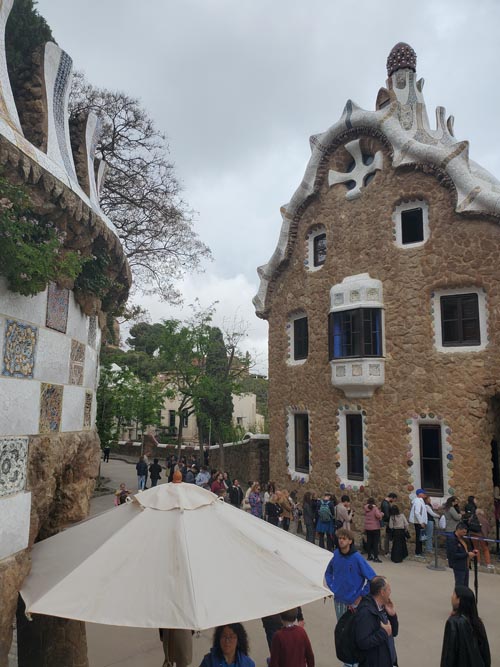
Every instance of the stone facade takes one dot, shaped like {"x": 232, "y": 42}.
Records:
{"x": 418, "y": 382}
{"x": 49, "y": 447}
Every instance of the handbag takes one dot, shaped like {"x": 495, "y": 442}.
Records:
{"x": 338, "y": 523}
{"x": 407, "y": 534}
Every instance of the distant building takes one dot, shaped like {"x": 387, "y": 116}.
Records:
{"x": 383, "y": 303}
{"x": 245, "y": 416}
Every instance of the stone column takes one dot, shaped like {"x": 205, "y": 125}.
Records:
{"x": 47, "y": 641}
{"x": 12, "y": 572}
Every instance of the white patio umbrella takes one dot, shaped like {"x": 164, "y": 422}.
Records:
{"x": 175, "y": 557}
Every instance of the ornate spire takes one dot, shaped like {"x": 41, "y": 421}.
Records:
{"x": 402, "y": 56}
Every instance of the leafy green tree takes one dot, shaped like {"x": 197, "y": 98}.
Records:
{"x": 145, "y": 337}
{"x": 183, "y": 352}
{"x": 214, "y": 400}
{"x": 123, "y": 398}
{"x": 24, "y": 32}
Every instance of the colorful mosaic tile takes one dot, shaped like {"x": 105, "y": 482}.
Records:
{"x": 13, "y": 460}
{"x": 57, "y": 308}
{"x": 51, "y": 396}
{"x": 76, "y": 362}
{"x": 19, "y": 349}
{"x": 92, "y": 336}
{"x": 87, "y": 410}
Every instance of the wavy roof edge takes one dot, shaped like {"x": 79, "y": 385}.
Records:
{"x": 401, "y": 118}
{"x": 45, "y": 139}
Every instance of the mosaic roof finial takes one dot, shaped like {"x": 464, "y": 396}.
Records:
{"x": 402, "y": 56}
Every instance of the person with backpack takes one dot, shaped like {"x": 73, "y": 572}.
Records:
{"x": 376, "y": 626}
{"x": 347, "y": 575}
{"x": 325, "y": 525}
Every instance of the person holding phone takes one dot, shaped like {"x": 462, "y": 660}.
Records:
{"x": 460, "y": 553}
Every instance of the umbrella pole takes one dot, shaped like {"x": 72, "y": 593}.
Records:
{"x": 476, "y": 582}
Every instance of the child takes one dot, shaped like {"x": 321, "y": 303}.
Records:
{"x": 291, "y": 646}
{"x": 121, "y": 494}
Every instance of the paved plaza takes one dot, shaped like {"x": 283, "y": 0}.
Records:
{"x": 421, "y": 596}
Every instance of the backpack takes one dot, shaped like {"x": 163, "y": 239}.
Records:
{"x": 324, "y": 511}
{"x": 345, "y": 639}
{"x": 474, "y": 524}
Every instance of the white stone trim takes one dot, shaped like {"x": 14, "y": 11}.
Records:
{"x": 296, "y": 475}
{"x": 290, "y": 332}
{"x": 483, "y": 319}
{"x": 358, "y": 377}
{"x": 359, "y": 291}
{"x": 313, "y": 232}
{"x": 341, "y": 450}
{"x": 396, "y": 219}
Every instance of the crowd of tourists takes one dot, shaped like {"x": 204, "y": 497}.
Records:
{"x": 367, "y": 621}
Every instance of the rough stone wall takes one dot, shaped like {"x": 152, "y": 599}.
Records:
{"x": 61, "y": 472}
{"x": 244, "y": 461}
{"x": 461, "y": 252}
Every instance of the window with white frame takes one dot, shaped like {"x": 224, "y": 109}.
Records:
{"x": 316, "y": 248}
{"x": 351, "y": 466}
{"x": 431, "y": 459}
{"x": 460, "y": 320}
{"x": 298, "y": 338}
{"x": 411, "y": 224}
{"x": 301, "y": 442}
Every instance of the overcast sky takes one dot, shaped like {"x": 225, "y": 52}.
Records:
{"x": 238, "y": 86}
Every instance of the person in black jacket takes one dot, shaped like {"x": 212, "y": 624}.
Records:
{"x": 236, "y": 494}
{"x": 465, "y": 643}
{"x": 142, "y": 471}
{"x": 460, "y": 553}
{"x": 376, "y": 626}
{"x": 155, "y": 472}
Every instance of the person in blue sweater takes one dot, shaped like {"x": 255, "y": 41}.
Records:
{"x": 229, "y": 648}
{"x": 348, "y": 574}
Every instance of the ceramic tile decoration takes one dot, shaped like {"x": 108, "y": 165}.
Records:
{"x": 92, "y": 336}
{"x": 57, "y": 308}
{"x": 51, "y": 396}
{"x": 13, "y": 460}
{"x": 77, "y": 360}
{"x": 19, "y": 349}
{"x": 87, "y": 410}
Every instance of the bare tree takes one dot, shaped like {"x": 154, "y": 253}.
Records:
{"x": 141, "y": 193}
